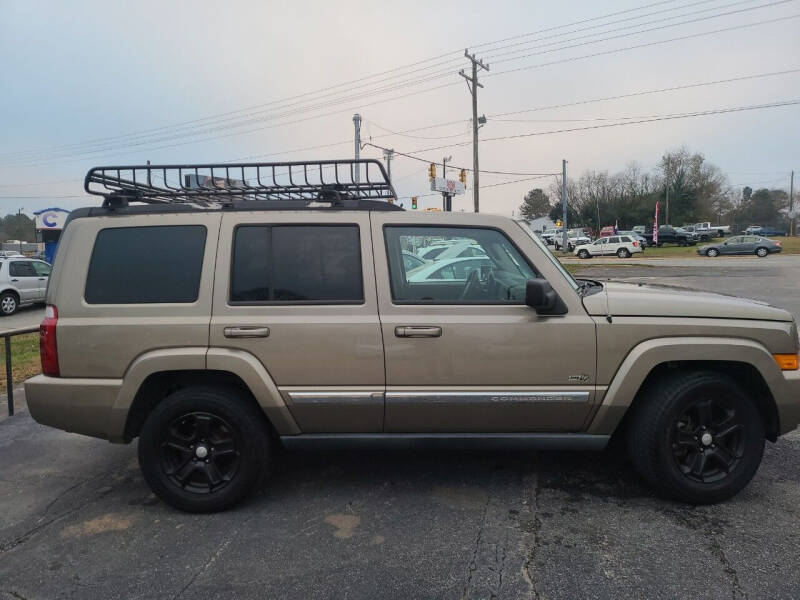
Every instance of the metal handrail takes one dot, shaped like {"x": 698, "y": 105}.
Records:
{"x": 7, "y": 335}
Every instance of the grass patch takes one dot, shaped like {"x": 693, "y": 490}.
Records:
{"x": 24, "y": 358}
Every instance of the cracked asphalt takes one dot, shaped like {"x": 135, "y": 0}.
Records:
{"x": 78, "y": 521}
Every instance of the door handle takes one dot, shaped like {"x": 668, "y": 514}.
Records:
{"x": 42, "y": 278}
{"x": 415, "y": 331}
{"x": 15, "y": 280}
{"x": 246, "y": 332}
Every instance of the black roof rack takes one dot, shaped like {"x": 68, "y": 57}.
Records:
{"x": 337, "y": 183}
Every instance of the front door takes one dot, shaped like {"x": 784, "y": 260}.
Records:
{"x": 465, "y": 354}
{"x": 42, "y": 270}
{"x": 297, "y": 292}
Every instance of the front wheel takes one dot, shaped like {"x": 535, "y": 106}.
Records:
{"x": 203, "y": 448}
{"x": 696, "y": 437}
{"x": 762, "y": 252}
{"x": 623, "y": 253}
{"x": 584, "y": 254}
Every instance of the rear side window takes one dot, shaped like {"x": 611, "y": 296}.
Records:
{"x": 146, "y": 265}
{"x": 21, "y": 269}
{"x": 299, "y": 264}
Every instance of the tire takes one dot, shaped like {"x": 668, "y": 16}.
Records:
{"x": 584, "y": 254}
{"x": 762, "y": 252}
{"x": 232, "y": 434}
{"x": 678, "y": 415}
{"x": 623, "y": 253}
{"x": 9, "y": 304}
{"x": 712, "y": 252}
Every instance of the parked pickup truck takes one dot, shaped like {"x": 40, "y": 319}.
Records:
{"x": 716, "y": 230}
{"x": 670, "y": 235}
{"x": 217, "y": 331}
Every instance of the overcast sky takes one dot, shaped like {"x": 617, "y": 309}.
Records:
{"x": 75, "y": 73}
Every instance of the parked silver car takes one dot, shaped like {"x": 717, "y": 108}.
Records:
{"x": 22, "y": 281}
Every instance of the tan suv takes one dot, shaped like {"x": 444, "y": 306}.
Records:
{"x": 253, "y": 304}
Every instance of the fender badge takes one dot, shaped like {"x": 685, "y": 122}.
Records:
{"x": 580, "y": 377}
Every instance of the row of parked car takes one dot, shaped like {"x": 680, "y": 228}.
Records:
{"x": 626, "y": 243}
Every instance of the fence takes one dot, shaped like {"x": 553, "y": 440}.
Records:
{"x": 7, "y": 335}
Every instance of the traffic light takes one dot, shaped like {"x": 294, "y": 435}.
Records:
{"x": 414, "y": 202}
{"x": 462, "y": 177}
{"x": 432, "y": 171}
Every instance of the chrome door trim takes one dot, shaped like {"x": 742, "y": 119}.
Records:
{"x": 342, "y": 398}
{"x": 540, "y": 441}
{"x": 489, "y": 397}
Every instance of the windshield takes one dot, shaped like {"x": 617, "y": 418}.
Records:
{"x": 527, "y": 229}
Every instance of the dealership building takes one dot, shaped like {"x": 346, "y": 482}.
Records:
{"x": 49, "y": 223}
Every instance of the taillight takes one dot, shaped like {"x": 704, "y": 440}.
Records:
{"x": 777, "y": 243}
{"x": 47, "y": 342}
{"x": 635, "y": 244}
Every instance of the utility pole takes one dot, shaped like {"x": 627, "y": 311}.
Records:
{"x": 473, "y": 85}
{"x": 565, "y": 245}
{"x": 388, "y": 155}
{"x": 666, "y": 210}
{"x": 791, "y": 204}
{"x": 357, "y": 123}
{"x": 446, "y": 206}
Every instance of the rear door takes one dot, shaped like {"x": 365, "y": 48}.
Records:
{"x": 296, "y": 290}
{"x": 612, "y": 246}
{"x": 25, "y": 279}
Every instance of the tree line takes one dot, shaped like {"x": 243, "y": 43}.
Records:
{"x": 688, "y": 187}
{"x": 17, "y": 227}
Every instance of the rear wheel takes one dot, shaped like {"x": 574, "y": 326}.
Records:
{"x": 761, "y": 252}
{"x": 696, "y": 437}
{"x": 623, "y": 253}
{"x": 584, "y": 254}
{"x": 202, "y": 449}
{"x": 712, "y": 252}
{"x": 9, "y": 303}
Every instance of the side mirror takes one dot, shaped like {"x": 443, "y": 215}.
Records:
{"x": 540, "y": 296}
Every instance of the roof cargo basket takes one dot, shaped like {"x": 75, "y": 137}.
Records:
{"x": 330, "y": 182}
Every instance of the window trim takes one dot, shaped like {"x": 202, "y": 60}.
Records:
{"x": 234, "y": 303}
{"x": 396, "y": 302}
{"x": 161, "y": 302}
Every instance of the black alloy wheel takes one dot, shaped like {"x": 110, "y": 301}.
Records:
{"x": 200, "y": 452}
{"x": 204, "y": 448}
{"x": 708, "y": 440}
{"x": 695, "y": 436}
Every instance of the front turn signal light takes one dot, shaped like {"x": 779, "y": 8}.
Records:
{"x": 787, "y": 362}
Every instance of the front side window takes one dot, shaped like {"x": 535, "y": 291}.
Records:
{"x": 146, "y": 265}
{"x": 42, "y": 269}
{"x": 492, "y": 272}
{"x": 302, "y": 264}
{"x": 19, "y": 268}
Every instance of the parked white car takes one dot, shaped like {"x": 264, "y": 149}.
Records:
{"x": 622, "y": 245}
{"x": 22, "y": 281}
{"x": 575, "y": 240}
{"x": 451, "y": 269}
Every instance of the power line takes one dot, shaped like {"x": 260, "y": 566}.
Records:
{"x": 605, "y": 126}
{"x": 326, "y": 90}
{"x": 384, "y": 90}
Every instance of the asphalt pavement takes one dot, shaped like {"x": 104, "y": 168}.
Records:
{"x": 78, "y": 521}
{"x": 26, "y": 316}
